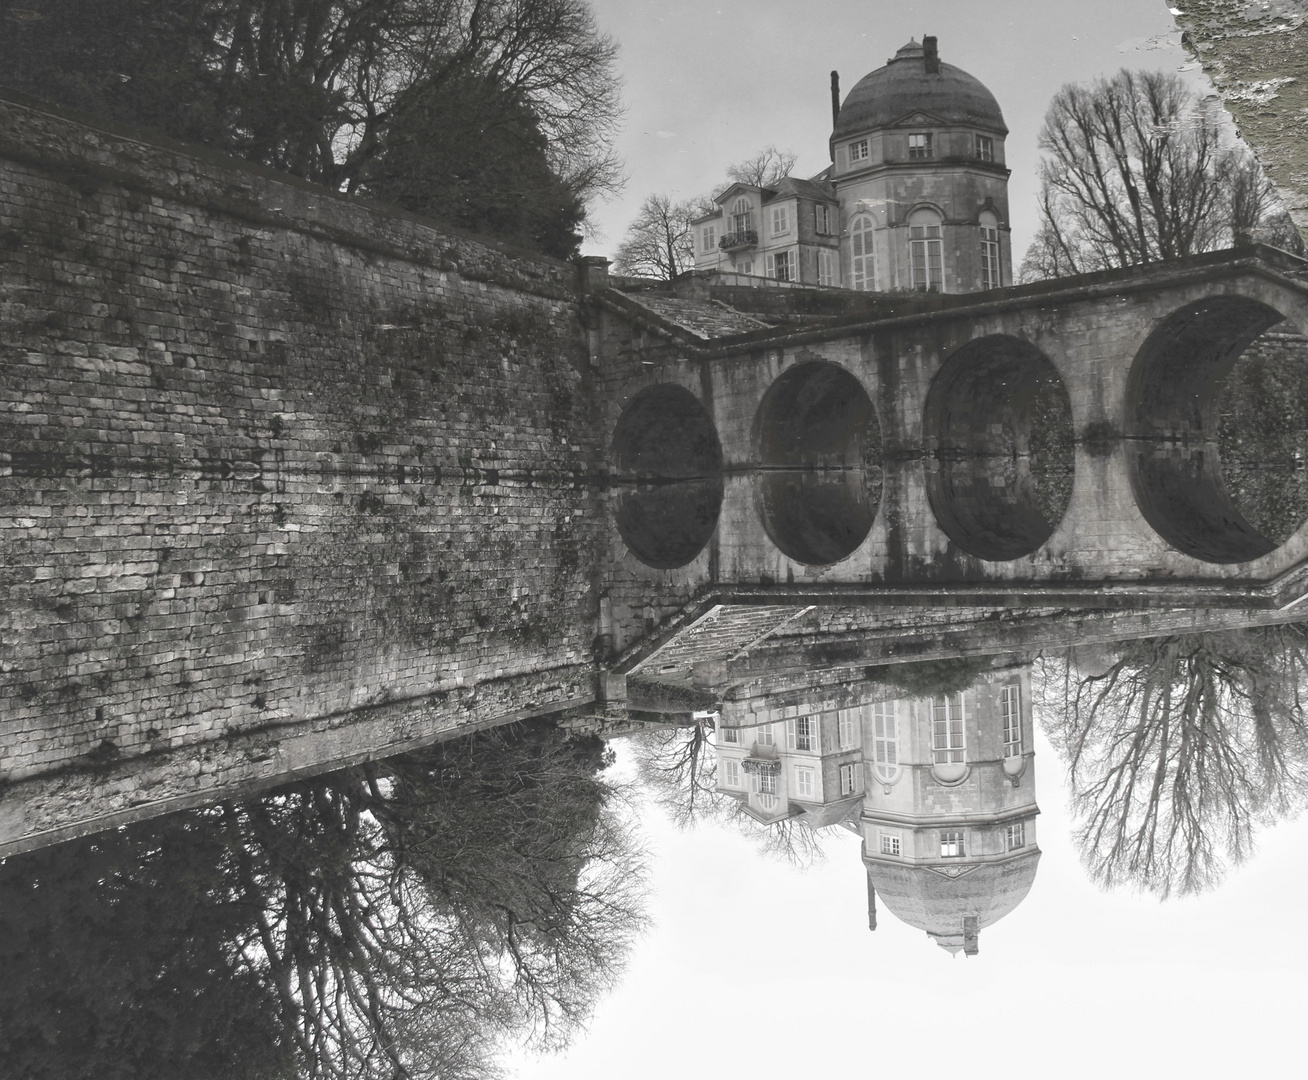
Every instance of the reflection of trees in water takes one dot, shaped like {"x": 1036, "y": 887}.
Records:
{"x": 677, "y": 767}
{"x": 1179, "y": 749}
{"x": 392, "y": 921}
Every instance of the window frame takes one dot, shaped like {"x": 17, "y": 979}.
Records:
{"x": 863, "y": 253}
{"x": 1010, "y": 715}
{"x": 953, "y": 844}
{"x": 891, "y": 843}
{"x": 952, "y": 748}
{"x": 822, "y": 219}
{"x": 1015, "y": 836}
{"x": 773, "y": 264}
{"x": 991, "y": 273}
{"x": 885, "y": 745}
{"x": 860, "y": 150}
{"x": 826, "y": 263}
{"x": 708, "y": 238}
{"x": 922, "y": 150}
{"x": 731, "y": 773}
{"x": 730, "y": 735}
{"x": 984, "y": 147}
{"x": 805, "y": 782}
{"x": 851, "y": 778}
{"x": 781, "y": 220}
{"x": 765, "y": 736}
{"x": 742, "y": 216}
{"x": 811, "y": 737}
{"x": 926, "y": 256}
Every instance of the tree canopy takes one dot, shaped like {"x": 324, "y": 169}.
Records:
{"x": 392, "y": 921}
{"x": 498, "y": 114}
{"x": 1179, "y": 749}
{"x": 1136, "y": 171}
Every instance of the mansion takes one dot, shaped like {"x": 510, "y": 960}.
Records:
{"x": 915, "y": 198}
{"x": 941, "y": 790}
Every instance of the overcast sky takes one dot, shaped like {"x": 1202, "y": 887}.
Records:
{"x": 710, "y": 83}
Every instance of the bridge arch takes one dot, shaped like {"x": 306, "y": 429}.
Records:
{"x": 1173, "y": 412}
{"x": 668, "y": 460}
{"x": 818, "y": 442}
{"x": 998, "y": 419}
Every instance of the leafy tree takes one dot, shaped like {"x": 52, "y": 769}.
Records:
{"x": 1135, "y": 172}
{"x": 1179, "y": 749}
{"x": 393, "y": 921}
{"x": 316, "y": 87}
{"x": 125, "y": 955}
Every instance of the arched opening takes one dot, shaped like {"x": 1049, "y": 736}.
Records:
{"x": 1001, "y": 422}
{"x": 819, "y": 445}
{"x": 1217, "y": 442}
{"x": 669, "y": 476}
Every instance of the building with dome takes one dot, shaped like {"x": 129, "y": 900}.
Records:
{"x": 916, "y": 197}
{"x": 948, "y": 819}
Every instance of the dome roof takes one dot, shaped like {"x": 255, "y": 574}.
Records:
{"x": 934, "y": 901}
{"x": 905, "y": 86}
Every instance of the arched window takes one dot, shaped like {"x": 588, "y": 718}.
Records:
{"x": 862, "y": 249}
{"x": 742, "y": 218}
{"x": 991, "y": 277}
{"x": 925, "y": 250}
{"x": 885, "y": 741}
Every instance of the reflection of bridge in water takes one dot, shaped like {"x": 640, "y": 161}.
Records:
{"x": 293, "y": 482}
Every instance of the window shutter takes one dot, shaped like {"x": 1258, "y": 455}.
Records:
{"x": 858, "y": 776}
{"x": 790, "y": 724}
{"x": 771, "y": 265}
{"x": 815, "y": 734}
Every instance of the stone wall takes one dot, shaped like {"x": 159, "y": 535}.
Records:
{"x": 269, "y": 455}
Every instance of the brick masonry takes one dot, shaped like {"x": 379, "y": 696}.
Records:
{"x": 271, "y": 457}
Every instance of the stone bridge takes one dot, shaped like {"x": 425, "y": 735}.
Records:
{"x": 1014, "y": 447}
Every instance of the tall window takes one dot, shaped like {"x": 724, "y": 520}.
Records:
{"x": 851, "y": 778}
{"x": 763, "y": 736}
{"x": 822, "y": 219}
{"x": 826, "y": 268}
{"x": 849, "y": 728}
{"x": 742, "y": 218}
{"x": 782, "y": 266}
{"x": 862, "y": 262}
{"x": 951, "y": 845}
{"x": 990, "y": 276}
{"x": 926, "y": 257}
{"x": 803, "y": 783}
{"x": 780, "y": 220}
{"x": 1010, "y": 710}
{"x": 858, "y": 151}
{"x": 709, "y": 236}
{"x": 1015, "y": 834}
{"x": 802, "y": 733}
{"x": 731, "y": 773}
{"x": 885, "y": 741}
{"x": 947, "y": 746}
{"x": 765, "y": 783}
{"x": 919, "y": 146}
{"x": 985, "y": 148}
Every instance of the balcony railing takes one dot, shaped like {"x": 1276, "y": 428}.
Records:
{"x": 733, "y": 240}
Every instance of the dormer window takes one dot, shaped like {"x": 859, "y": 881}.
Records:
{"x": 919, "y": 146}
{"x": 858, "y": 151}
{"x": 985, "y": 148}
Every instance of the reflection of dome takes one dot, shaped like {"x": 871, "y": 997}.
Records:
{"x": 905, "y": 86}
{"x": 940, "y": 899}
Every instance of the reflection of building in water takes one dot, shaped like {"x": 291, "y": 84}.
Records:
{"x": 941, "y": 789}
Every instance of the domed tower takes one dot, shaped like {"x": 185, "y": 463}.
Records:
{"x": 918, "y": 169}
{"x": 949, "y": 809}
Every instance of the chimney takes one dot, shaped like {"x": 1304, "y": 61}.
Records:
{"x": 970, "y": 932}
{"x": 930, "y": 56}
{"x": 835, "y": 98}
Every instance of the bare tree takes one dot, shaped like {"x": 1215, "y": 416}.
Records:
{"x": 1179, "y": 749}
{"x": 1135, "y": 172}
{"x": 764, "y": 169}
{"x": 677, "y": 767}
{"x": 660, "y": 242}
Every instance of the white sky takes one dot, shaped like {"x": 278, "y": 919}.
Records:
{"x": 710, "y": 83}
{"x": 755, "y": 968}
